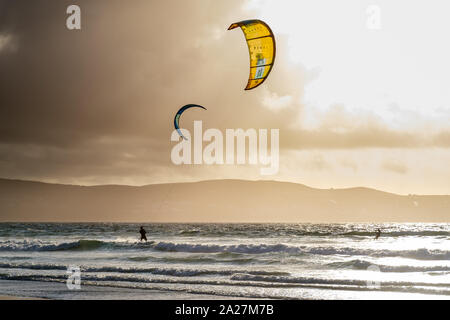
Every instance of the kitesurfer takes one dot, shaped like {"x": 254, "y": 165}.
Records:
{"x": 377, "y": 234}
{"x": 143, "y": 232}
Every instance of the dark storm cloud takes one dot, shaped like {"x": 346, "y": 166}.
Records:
{"x": 120, "y": 79}
{"x": 114, "y": 77}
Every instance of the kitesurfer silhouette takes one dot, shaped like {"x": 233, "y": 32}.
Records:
{"x": 377, "y": 234}
{"x": 143, "y": 232}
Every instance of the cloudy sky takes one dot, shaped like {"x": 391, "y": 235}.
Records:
{"x": 355, "y": 106}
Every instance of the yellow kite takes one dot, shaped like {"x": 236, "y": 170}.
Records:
{"x": 261, "y": 47}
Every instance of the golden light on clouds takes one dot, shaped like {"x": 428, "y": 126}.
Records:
{"x": 355, "y": 106}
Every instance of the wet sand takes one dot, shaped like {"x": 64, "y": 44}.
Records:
{"x": 41, "y": 290}
{"x": 19, "y": 298}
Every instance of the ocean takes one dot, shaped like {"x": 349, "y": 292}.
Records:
{"x": 255, "y": 261}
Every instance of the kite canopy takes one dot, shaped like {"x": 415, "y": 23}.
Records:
{"x": 261, "y": 47}
{"x": 176, "y": 120}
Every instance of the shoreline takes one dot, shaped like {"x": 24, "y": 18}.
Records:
{"x": 6, "y": 298}
{"x": 43, "y": 290}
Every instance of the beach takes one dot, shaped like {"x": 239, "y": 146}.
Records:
{"x": 39, "y": 290}
{"x": 18, "y": 298}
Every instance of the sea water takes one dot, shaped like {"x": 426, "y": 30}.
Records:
{"x": 274, "y": 261}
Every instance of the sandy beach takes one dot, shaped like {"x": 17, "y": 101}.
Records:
{"x": 42, "y": 290}
{"x": 19, "y": 298}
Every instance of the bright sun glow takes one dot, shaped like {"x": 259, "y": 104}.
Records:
{"x": 397, "y": 73}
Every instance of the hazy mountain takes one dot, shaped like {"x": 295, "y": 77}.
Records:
{"x": 213, "y": 201}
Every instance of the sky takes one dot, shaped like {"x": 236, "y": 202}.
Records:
{"x": 354, "y": 105}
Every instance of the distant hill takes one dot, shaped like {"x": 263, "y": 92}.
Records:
{"x": 213, "y": 201}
